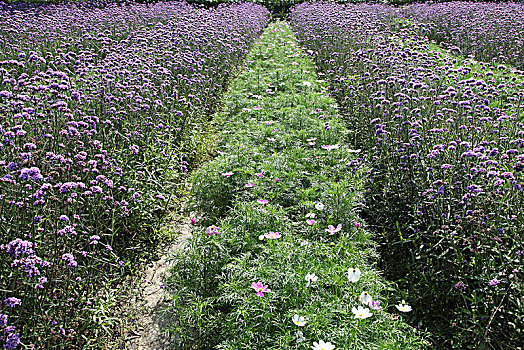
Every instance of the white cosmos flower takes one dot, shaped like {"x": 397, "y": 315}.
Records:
{"x": 300, "y": 337}
{"x": 365, "y": 298}
{"x": 361, "y": 312}
{"x": 306, "y": 83}
{"x": 403, "y": 307}
{"x": 299, "y": 320}
{"x": 310, "y": 215}
{"x": 354, "y": 274}
{"x": 319, "y": 206}
{"x": 311, "y": 277}
{"x": 321, "y": 345}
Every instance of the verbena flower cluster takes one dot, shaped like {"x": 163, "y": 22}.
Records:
{"x": 488, "y": 31}
{"x": 445, "y": 139}
{"x": 101, "y": 110}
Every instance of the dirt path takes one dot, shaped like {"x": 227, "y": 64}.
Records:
{"x": 151, "y": 297}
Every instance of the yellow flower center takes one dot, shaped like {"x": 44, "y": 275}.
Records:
{"x": 360, "y": 315}
{"x": 260, "y": 289}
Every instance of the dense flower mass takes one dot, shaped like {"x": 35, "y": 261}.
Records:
{"x": 101, "y": 106}
{"x": 486, "y": 30}
{"x": 445, "y": 140}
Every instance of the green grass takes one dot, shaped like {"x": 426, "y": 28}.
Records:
{"x": 271, "y": 113}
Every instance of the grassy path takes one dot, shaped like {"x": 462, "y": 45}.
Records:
{"x": 283, "y": 178}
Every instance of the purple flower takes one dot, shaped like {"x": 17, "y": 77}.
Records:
{"x": 29, "y": 146}
{"x": 94, "y": 239}
{"x": 41, "y": 281}
{"x": 494, "y": 282}
{"x": 134, "y": 149}
{"x": 18, "y": 247}
{"x": 70, "y": 260}
{"x": 12, "y": 302}
{"x": 12, "y": 341}
{"x": 375, "y": 305}
{"x": 67, "y": 230}
{"x": 460, "y": 285}
{"x": 33, "y": 172}
{"x": 3, "y": 320}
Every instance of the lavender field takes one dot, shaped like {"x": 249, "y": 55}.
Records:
{"x": 352, "y": 140}
{"x": 444, "y": 137}
{"x": 490, "y": 32}
{"x": 103, "y": 111}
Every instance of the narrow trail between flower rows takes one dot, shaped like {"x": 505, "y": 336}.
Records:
{"x": 148, "y": 333}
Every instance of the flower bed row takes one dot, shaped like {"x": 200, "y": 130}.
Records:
{"x": 445, "y": 140}
{"x": 103, "y": 109}
{"x": 280, "y": 259}
{"x": 488, "y": 31}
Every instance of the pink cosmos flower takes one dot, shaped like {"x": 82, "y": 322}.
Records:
{"x": 248, "y": 185}
{"x": 277, "y": 179}
{"x": 330, "y": 147}
{"x": 272, "y": 235}
{"x": 260, "y": 289}
{"x": 357, "y": 224}
{"x": 259, "y": 174}
{"x": 332, "y": 230}
{"x": 310, "y": 222}
{"x": 262, "y": 201}
{"x": 228, "y": 174}
{"x": 212, "y": 230}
